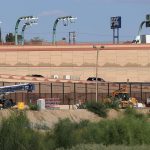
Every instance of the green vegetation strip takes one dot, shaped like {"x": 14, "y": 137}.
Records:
{"x": 100, "y": 108}
{"x": 126, "y": 133}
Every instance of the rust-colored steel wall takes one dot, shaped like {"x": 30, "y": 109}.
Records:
{"x": 74, "y": 92}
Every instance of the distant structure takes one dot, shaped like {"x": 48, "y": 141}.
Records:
{"x": 72, "y": 37}
{"x": 115, "y": 24}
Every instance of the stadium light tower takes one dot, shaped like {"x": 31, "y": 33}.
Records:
{"x": 30, "y": 23}
{"x": 0, "y": 33}
{"x": 66, "y": 20}
{"x": 146, "y": 21}
{"x": 24, "y": 18}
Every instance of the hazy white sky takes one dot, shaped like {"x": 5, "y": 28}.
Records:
{"x": 93, "y": 23}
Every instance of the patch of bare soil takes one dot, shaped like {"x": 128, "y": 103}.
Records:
{"x": 51, "y": 117}
{"x": 113, "y": 114}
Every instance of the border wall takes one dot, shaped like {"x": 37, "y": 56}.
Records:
{"x": 71, "y": 93}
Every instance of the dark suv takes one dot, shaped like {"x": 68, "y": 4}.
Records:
{"x": 94, "y": 79}
{"x": 36, "y": 75}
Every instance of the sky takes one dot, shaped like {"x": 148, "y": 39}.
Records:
{"x": 92, "y": 23}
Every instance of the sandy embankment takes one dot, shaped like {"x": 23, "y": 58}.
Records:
{"x": 50, "y": 117}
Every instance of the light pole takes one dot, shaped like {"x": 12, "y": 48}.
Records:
{"x": 30, "y": 23}
{"x": 26, "y": 18}
{"x": 65, "y": 20}
{"x": 97, "y": 58}
{"x": 0, "y": 33}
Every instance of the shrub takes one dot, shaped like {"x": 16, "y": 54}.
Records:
{"x": 114, "y": 104}
{"x": 131, "y": 112}
{"x": 131, "y": 130}
{"x": 128, "y": 130}
{"x": 15, "y": 134}
{"x": 97, "y": 108}
{"x": 33, "y": 107}
{"x": 63, "y": 133}
{"x": 102, "y": 147}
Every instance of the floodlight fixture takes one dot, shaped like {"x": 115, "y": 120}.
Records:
{"x": 30, "y": 23}
{"x": 24, "y": 18}
{"x": 66, "y": 20}
{"x": 146, "y": 22}
{"x": 0, "y": 33}
{"x": 72, "y": 20}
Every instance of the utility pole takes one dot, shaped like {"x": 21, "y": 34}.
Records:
{"x": 0, "y": 33}
{"x": 97, "y": 59}
{"x": 72, "y": 37}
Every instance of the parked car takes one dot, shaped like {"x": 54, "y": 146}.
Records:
{"x": 36, "y": 75}
{"x": 94, "y": 79}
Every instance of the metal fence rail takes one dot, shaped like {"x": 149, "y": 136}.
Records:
{"x": 73, "y": 92}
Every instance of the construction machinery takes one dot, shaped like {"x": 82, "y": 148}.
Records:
{"x": 5, "y": 90}
{"x": 124, "y": 99}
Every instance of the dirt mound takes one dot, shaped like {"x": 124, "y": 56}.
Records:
{"x": 113, "y": 114}
{"x": 50, "y": 117}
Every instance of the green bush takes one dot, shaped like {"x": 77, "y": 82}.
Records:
{"x": 128, "y": 130}
{"x": 131, "y": 130}
{"x": 63, "y": 133}
{"x": 131, "y": 112}
{"x": 16, "y": 134}
{"x": 114, "y": 104}
{"x": 97, "y": 108}
{"x": 33, "y": 107}
{"x": 102, "y": 147}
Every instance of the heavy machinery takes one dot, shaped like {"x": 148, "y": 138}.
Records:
{"x": 5, "y": 90}
{"x": 124, "y": 99}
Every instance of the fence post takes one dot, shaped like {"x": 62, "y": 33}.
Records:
{"x": 22, "y": 97}
{"x": 141, "y": 93}
{"x": 130, "y": 89}
{"x": 51, "y": 90}
{"x": 63, "y": 88}
{"x": 74, "y": 93}
{"x": 119, "y": 85}
{"x": 39, "y": 90}
{"x": 28, "y": 100}
{"x": 85, "y": 91}
{"x": 15, "y": 95}
{"x": 108, "y": 89}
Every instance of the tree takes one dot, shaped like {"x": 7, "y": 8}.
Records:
{"x": 10, "y": 37}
